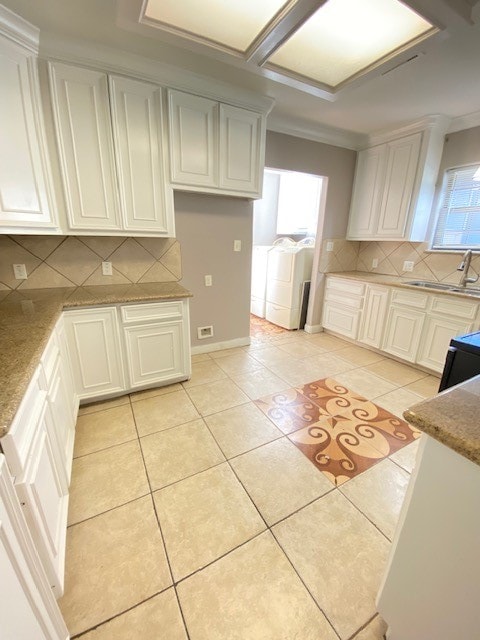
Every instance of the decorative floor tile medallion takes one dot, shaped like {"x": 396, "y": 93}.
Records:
{"x": 341, "y": 432}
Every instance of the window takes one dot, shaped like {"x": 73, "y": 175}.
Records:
{"x": 298, "y": 203}
{"x": 458, "y": 225}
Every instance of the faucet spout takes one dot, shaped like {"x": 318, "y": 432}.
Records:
{"x": 464, "y": 266}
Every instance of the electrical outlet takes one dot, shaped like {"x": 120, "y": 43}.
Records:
{"x": 329, "y": 246}
{"x": 107, "y": 268}
{"x": 205, "y": 332}
{"x": 408, "y": 265}
{"x": 374, "y": 263}
{"x": 237, "y": 245}
{"x": 208, "y": 281}
{"x": 20, "y": 271}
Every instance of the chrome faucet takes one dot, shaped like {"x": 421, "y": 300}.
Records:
{"x": 465, "y": 266}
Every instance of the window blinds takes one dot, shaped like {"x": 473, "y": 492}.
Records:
{"x": 458, "y": 225}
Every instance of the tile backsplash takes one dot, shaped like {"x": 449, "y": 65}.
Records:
{"x": 59, "y": 261}
{"x": 358, "y": 256}
{"x": 441, "y": 267}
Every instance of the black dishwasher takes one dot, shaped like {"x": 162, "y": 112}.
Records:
{"x": 462, "y": 361}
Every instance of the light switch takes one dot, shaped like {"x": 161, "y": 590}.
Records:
{"x": 107, "y": 268}
{"x": 408, "y": 265}
{"x": 329, "y": 245}
{"x": 237, "y": 245}
{"x": 208, "y": 281}
{"x": 374, "y": 263}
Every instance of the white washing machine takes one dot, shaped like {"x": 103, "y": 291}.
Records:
{"x": 288, "y": 268}
{"x": 259, "y": 279}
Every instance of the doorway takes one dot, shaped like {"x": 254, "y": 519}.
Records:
{"x": 285, "y": 223}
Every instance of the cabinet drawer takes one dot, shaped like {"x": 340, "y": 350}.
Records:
{"x": 344, "y": 298}
{"x": 283, "y": 316}
{"x": 452, "y": 306}
{"x": 410, "y": 298}
{"x": 17, "y": 443}
{"x": 346, "y": 286}
{"x": 151, "y": 311}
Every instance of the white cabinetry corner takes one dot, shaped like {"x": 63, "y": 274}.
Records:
{"x": 214, "y": 147}
{"x": 342, "y": 306}
{"x": 110, "y": 134}
{"x": 27, "y": 605}
{"x": 395, "y": 183}
{"x": 26, "y": 202}
{"x": 373, "y": 318}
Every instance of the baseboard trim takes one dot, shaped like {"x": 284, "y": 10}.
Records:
{"x": 219, "y": 346}
{"x": 313, "y": 328}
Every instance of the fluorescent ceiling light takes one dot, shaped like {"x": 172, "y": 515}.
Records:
{"x": 344, "y": 37}
{"x": 234, "y": 24}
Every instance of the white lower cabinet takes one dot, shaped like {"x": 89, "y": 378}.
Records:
{"x": 373, "y": 319}
{"x": 403, "y": 331}
{"x": 28, "y": 609}
{"x": 95, "y": 351}
{"x": 413, "y": 325}
{"x": 117, "y": 349}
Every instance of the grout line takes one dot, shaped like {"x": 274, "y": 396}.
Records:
{"x": 364, "y": 626}
{"x": 364, "y": 514}
{"x": 110, "y": 446}
{"x": 101, "y": 513}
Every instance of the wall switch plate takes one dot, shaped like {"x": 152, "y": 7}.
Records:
{"x": 408, "y": 265}
{"x": 204, "y": 332}
{"x": 374, "y": 263}
{"x": 20, "y": 271}
{"x": 208, "y": 281}
{"x": 329, "y": 246}
{"x": 107, "y": 268}
{"x": 237, "y": 245}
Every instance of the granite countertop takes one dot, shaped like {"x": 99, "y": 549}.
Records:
{"x": 27, "y": 319}
{"x": 397, "y": 281}
{"x": 452, "y": 418}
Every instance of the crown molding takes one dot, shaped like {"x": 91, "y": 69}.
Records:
{"x": 17, "y": 29}
{"x": 439, "y": 123}
{"x": 109, "y": 59}
{"x": 464, "y": 122}
{"x": 315, "y": 132}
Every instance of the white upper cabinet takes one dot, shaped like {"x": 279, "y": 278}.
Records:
{"x": 401, "y": 168}
{"x": 138, "y": 133}
{"x": 214, "y": 147}
{"x": 241, "y": 149}
{"x": 193, "y": 139}
{"x": 82, "y": 117}
{"x": 25, "y": 197}
{"x": 395, "y": 184}
{"x": 110, "y": 134}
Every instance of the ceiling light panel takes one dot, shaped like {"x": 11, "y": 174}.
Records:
{"x": 232, "y": 24}
{"x": 344, "y": 37}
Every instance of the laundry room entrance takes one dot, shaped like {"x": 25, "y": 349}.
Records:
{"x": 285, "y": 223}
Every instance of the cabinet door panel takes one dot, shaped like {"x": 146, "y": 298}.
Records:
{"x": 27, "y": 605}
{"x": 82, "y": 117}
{"x": 373, "y": 321}
{"x": 95, "y": 351}
{"x": 147, "y": 202}
{"x": 367, "y": 193}
{"x": 193, "y": 145}
{"x": 23, "y": 195}
{"x": 341, "y": 319}
{"x": 402, "y": 333}
{"x": 155, "y": 352}
{"x": 402, "y": 161}
{"x": 240, "y": 154}
{"x": 436, "y": 339}
{"x": 45, "y": 499}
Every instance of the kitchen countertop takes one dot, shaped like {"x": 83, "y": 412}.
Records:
{"x": 28, "y": 317}
{"x": 452, "y": 418}
{"x": 397, "y": 281}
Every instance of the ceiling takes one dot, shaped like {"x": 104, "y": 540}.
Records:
{"x": 443, "y": 79}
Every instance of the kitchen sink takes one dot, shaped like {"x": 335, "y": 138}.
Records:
{"x": 469, "y": 291}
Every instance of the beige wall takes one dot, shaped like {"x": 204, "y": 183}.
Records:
{"x": 206, "y": 228}
{"x": 461, "y": 147}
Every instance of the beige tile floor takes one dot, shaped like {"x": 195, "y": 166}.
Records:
{"x": 193, "y": 516}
